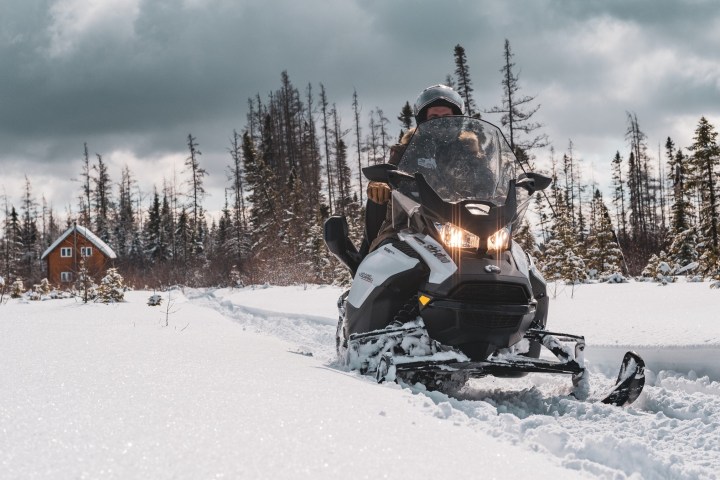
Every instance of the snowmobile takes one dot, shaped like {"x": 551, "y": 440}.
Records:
{"x": 452, "y": 296}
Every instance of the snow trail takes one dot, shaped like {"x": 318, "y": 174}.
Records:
{"x": 669, "y": 433}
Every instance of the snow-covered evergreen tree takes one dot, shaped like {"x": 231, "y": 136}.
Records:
{"x": 85, "y": 285}
{"x": 658, "y": 269}
{"x": 525, "y": 238}
{"x": 112, "y": 287}
{"x": 603, "y": 254}
{"x": 17, "y": 289}
{"x": 705, "y": 161}
{"x": 683, "y": 253}
{"x": 559, "y": 260}
{"x": 45, "y": 287}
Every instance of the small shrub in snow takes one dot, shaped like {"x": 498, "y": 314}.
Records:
{"x": 112, "y": 287}
{"x": 58, "y": 294}
{"x": 17, "y": 289}
{"x": 155, "y": 300}
{"x": 614, "y": 278}
{"x": 40, "y": 290}
{"x": 658, "y": 269}
{"x": 85, "y": 286}
{"x": 235, "y": 278}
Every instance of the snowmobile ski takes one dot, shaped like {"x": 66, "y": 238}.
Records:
{"x": 630, "y": 381}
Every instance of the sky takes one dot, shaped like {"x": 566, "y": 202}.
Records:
{"x": 132, "y": 78}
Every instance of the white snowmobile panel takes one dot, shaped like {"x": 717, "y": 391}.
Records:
{"x": 432, "y": 253}
{"x": 535, "y": 271}
{"x": 520, "y": 259}
{"x": 375, "y": 269}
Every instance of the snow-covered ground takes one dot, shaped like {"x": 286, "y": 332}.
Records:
{"x": 243, "y": 384}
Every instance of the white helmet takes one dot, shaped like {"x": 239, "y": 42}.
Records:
{"x": 437, "y": 95}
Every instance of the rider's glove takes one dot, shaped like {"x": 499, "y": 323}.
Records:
{"x": 378, "y": 192}
{"x": 396, "y": 151}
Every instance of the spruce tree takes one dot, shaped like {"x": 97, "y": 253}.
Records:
{"x": 263, "y": 196}
{"x": 604, "y": 257}
{"x": 406, "y": 119}
{"x": 153, "y": 233}
{"x": 125, "y": 228}
{"x": 358, "y": 142}
{"x": 237, "y": 242}
{"x": 326, "y": 134}
{"x": 464, "y": 83}
{"x": 683, "y": 247}
{"x": 102, "y": 199}
{"x": 560, "y": 260}
{"x": 383, "y": 134}
{"x": 196, "y": 195}
{"x": 29, "y": 235}
{"x": 682, "y": 253}
{"x": 12, "y": 244}
{"x": 658, "y": 269}
{"x": 166, "y": 241}
{"x": 112, "y": 287}
{"x": 516, "y": 111}
{"x": 86, "y": 196}
{"x": 525, "y": 238}
{"x": 619, "y": 193}
{"x": 705, "y": 161}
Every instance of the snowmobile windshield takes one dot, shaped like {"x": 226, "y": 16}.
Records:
{"x": 461, "y": 158}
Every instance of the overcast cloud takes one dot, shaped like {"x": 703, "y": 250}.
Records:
{"x": 133, "y": 77}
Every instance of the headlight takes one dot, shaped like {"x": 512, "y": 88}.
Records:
{"x": 499, "y": 240}
{"x": 455, "y": 237}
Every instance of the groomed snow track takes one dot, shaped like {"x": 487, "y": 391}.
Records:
{"x": 670, "y": 432}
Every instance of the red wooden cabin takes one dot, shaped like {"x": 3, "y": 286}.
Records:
{"x": 64, "y": 256}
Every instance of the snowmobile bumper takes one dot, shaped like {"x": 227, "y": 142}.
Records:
{"x": 477, "y": 330}
{"x": 569, "y": 361}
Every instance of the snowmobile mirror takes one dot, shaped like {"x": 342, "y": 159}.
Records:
{"x": 396, "y": 177}
{"x": 533, "y": 182}
{"x": 379, "y": 172}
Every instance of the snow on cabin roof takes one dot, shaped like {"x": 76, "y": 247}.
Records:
{"x": 94, "y": 239}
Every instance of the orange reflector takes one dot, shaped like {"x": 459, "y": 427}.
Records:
{"x": 424, "y": 300}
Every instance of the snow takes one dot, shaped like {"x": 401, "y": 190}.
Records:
{"x": 243, "y": 384}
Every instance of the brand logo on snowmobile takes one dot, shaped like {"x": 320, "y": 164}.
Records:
{"x": 427, "y": 163}
{"x": 492, "y": 269}
{"x": 388, "y": 250}
{"x": 366, "y": 276}
{"x": 436, "y": 252}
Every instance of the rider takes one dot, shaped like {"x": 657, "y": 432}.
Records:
{"x": 433, "y": 102}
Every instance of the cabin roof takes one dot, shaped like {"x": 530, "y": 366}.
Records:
{"x": 94, "y": 239}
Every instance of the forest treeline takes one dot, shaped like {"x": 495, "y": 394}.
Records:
{"x": 296, "y": 161}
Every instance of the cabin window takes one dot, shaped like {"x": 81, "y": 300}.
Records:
{"x": 66, "y": 277}
{"x": 86, "y": 251}
{"x": 66, "y": 252}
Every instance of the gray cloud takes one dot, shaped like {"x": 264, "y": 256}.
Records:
{"x": 137, "y": 76}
